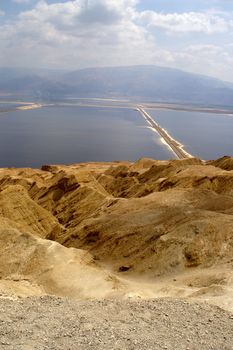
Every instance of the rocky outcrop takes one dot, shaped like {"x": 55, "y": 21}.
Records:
{"x": 225, "y": 163}
{"x": 153, "y": 219}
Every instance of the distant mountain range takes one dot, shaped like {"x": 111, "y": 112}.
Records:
{"x": 140, "y": 83}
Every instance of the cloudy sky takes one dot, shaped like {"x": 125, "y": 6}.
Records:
{"x": 193, "y": 35}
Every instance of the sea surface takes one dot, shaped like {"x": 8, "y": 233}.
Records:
{"x": 205, "y": 135}
{"x": 5, "y": 105}
{"x": 72, "y": 134}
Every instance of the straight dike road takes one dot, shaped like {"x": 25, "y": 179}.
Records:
{"x": 176, "y": 147}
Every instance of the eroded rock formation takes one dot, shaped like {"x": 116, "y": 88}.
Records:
{"x": 116, "y": 229}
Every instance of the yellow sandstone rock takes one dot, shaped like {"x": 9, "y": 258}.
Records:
{"x": 150, "y": 228}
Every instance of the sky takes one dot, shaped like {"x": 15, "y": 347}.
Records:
{"x": 192, "y": 35}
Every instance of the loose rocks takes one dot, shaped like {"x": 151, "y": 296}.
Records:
{"x": 54, "y": 323}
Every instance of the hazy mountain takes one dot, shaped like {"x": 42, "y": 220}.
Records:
{"x": 135, "y": 82}
{"x": 150, "y": 83}
{"x": 32, "y": 83}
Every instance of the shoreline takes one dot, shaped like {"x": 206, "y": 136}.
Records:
{"x": 29, "y": 106}
{"x": 24, "y": 106}
{"x": 91, "y": 102}
{"x": 181, "y": 108}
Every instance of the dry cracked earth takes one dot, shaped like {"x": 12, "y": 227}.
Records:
{"x": 117, "y": 256}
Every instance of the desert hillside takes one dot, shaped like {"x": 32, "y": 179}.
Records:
{"x": 146, "y": 229}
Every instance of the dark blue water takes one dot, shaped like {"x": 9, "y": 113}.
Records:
{"x": 64, "y": 135}
{"x": 8, "y": 105}
{"x": 205, "y": 135}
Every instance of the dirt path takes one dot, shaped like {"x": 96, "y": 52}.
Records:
{"x": 54, "y": 323}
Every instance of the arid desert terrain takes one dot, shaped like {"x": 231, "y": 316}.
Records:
{"x": 131, "y": 255}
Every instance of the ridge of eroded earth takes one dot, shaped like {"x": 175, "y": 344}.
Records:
{"x": 116, "y": 230}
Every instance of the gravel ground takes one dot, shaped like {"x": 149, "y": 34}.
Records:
{"x": 62, "y": 324}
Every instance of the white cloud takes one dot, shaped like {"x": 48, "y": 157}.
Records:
{"x": 22, "y": 1}
{"x": 210, "y": 60}
{"x": 2, "y": 13}
{"x": 64, "y": 34}
{"x": 209, "y": 23}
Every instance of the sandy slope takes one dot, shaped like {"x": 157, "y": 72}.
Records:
{"x": 148, "y": 229}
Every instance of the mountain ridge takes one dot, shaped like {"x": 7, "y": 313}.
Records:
{"x": 146, "y": 83}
